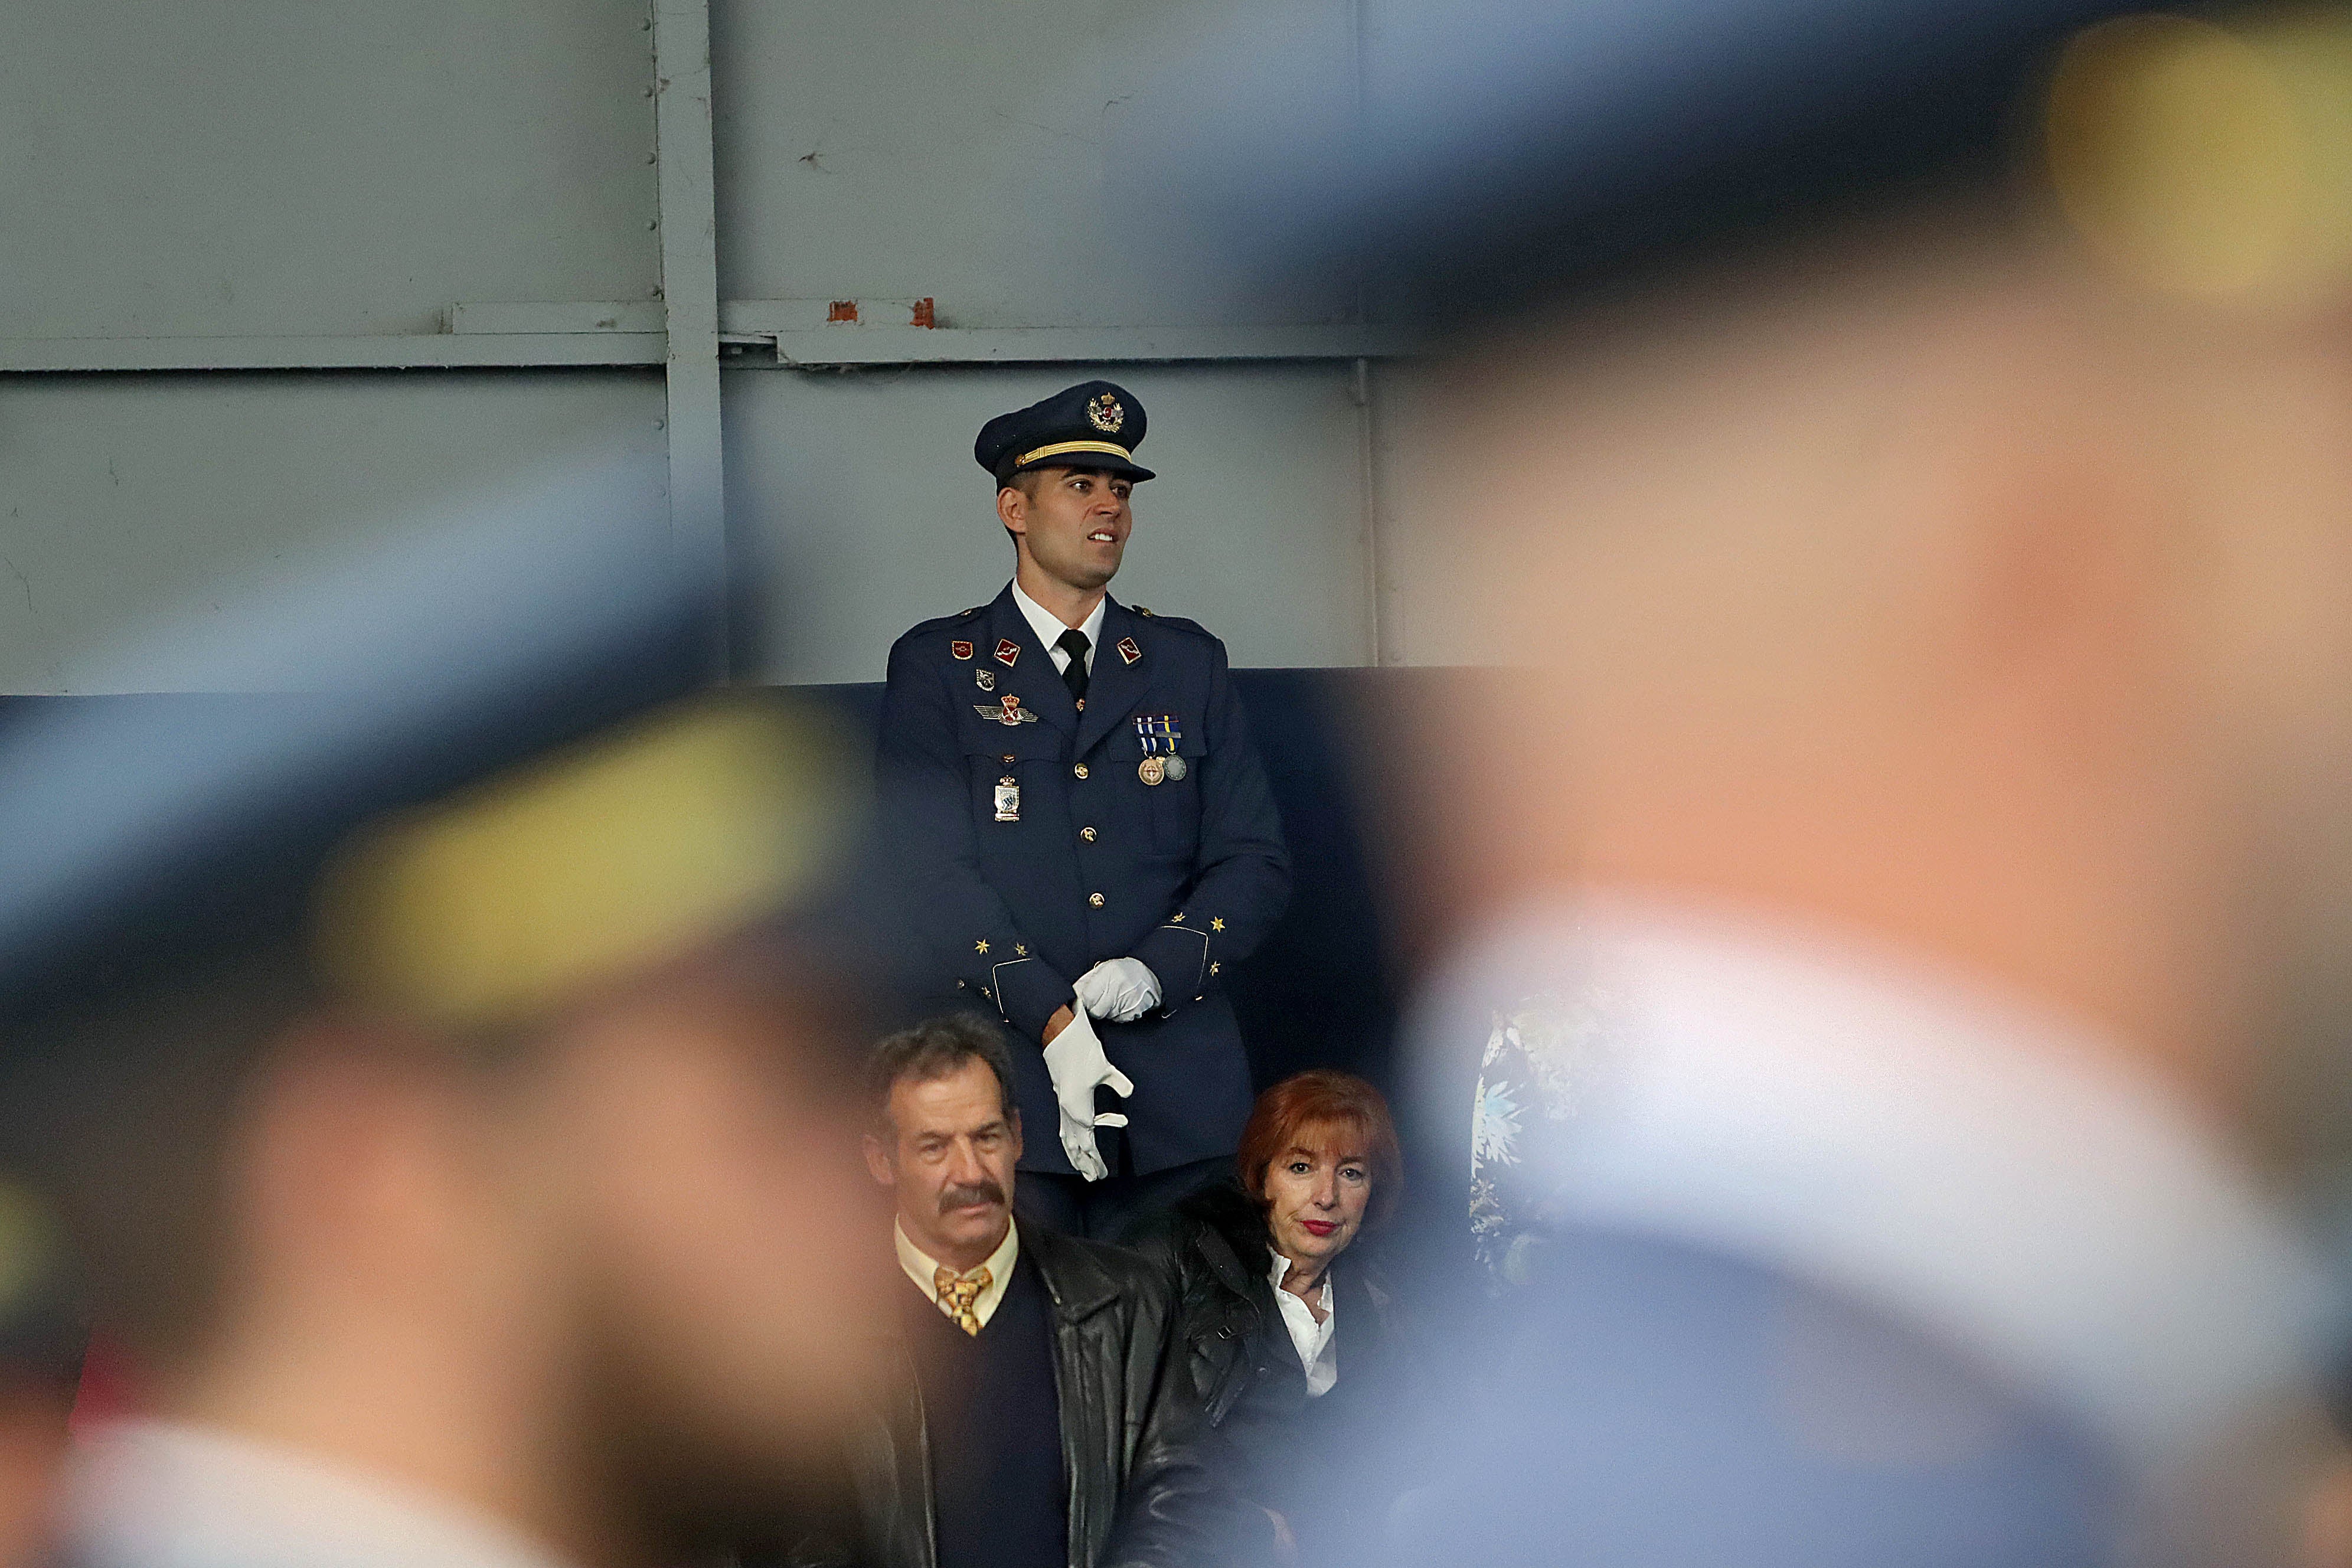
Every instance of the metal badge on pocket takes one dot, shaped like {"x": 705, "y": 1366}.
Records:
{"x": 1008, "y": 799}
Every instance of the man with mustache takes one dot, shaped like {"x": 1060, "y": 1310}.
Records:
{"x": 1029, "y": 1422}
{"x": 1087, "y": 838}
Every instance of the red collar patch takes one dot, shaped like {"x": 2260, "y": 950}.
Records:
{"x": 1128, "y": 650}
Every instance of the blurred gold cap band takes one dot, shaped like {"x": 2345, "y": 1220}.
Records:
{"x": 2208, "y": 161}
{"x": 28, "y": 1246}
{"x": 586, "y": 866}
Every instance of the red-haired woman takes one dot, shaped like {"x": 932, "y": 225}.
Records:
{"x": 1289, "y": 1339}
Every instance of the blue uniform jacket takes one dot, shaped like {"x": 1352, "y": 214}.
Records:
{"x": 1188, "y": 875}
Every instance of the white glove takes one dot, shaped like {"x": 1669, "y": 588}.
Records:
{"x": 1076, "y": 1063}
{"x": 1120, "y": 989}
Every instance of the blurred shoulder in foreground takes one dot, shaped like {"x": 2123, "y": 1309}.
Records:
{"x": 1903, "y": 457}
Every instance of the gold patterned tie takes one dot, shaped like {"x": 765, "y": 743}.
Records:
{"x": 959, "y": 1291}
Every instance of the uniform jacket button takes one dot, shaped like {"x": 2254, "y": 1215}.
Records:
{"x": 1080, "y": 770}
{"x": 1087, "y": 833}
{"x": 1095, "y": 900}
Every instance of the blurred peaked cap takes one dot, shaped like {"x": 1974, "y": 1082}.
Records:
{"x": 1094, "y": 424}
{"x": 1499, "y": 150}
{"x": 146, "y": 837}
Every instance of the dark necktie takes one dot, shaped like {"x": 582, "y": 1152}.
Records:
{"x": 1074, "y": 643}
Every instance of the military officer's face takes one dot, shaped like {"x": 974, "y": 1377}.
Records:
{"x": 1073, "y": 522}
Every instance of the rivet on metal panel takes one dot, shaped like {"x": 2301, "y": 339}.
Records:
{"x": 843, "y": 310}
{"x": 924, "y": 315}
{"x": 653, "y": 222}
{"x": 650, "y": 92}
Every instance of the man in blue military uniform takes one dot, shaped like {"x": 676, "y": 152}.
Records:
{"x": 1086, "y": 836}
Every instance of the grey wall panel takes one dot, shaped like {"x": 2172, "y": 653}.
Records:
{"x": 126, "y": 498}
{"x": 301, "y": 166}
{"x": 862, "y": 488}
{"x": 976, "y": 154}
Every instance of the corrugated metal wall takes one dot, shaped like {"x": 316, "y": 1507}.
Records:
{"x": 284, "y": 271}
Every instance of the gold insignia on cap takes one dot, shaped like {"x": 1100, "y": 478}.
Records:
{"x": 1103, "y": 413}
{"x": 599, "y": 861}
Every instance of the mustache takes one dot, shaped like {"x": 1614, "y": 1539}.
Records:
{"x": 981, "y": 1192}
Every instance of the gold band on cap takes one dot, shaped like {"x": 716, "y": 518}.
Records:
{"x": 588, "y": 866}
{"x": 2203, "y": 159}
{"x": 1060, "y": 449}
{"x": 28, "y": 1247}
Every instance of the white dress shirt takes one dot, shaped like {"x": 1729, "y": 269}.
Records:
{"x": 922, "y": 1267}
{"x": 1857, "y": 1116}
{"x": 1310, "y": 1339}
{"x": 160, "y": 1494}
{"x": 1049, "y": 628}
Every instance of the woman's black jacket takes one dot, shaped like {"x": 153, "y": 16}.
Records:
{"x": 1239, "y": 1367}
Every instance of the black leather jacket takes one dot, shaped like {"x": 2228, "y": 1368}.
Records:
{"x": 1241, "y": 1376}
{"x": 1217, "y": 1256}
{"x": 1140, "y": 1494}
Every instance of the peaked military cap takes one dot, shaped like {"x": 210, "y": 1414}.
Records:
{"x": 505, "y": 780}
{"x": 1094, "y": 424}
{"x": 1508, "y": 152}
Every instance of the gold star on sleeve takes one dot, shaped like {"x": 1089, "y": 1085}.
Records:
{"x": 1216, "y": 925}
{"x": 980, "y": 946}
{"x": 1213, "y": 968}
{"x": 1021, "y": 950}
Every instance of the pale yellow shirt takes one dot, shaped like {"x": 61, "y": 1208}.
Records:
{"x": 922, "y": 1268}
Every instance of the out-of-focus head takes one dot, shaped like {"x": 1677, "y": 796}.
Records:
{"x": 1319, "y": 1156}
{"x": 946, "y": 1137}
{"x": 1903, "y": 456}
{"x": 437, "y": 1071}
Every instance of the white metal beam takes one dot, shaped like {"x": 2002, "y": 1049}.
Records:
{"x": 690, "y": 253}
{"x": 418, "y": 351}
{"x": 800, "y": 345}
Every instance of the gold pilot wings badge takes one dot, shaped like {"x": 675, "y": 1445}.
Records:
{"x": 1007, "y": 711}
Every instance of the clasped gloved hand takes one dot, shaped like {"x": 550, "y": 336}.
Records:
{"x": 1120, "y": 989}
{"x": 1076, "y": 1062}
